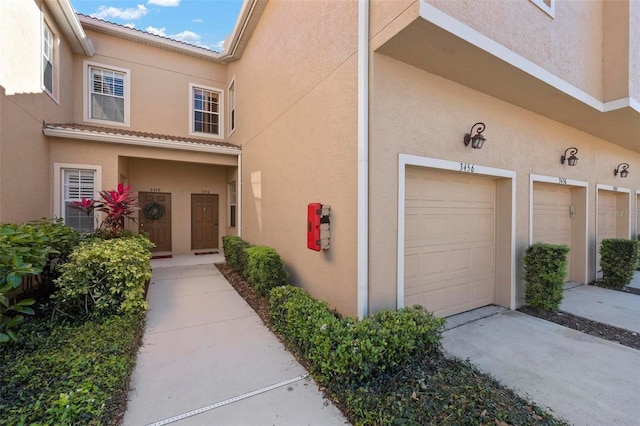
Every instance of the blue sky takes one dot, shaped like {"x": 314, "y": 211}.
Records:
{"x": 204, "y": 23}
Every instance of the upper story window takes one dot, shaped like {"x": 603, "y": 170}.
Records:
{"x": 47, "y": 58}
{"x": 106, "y": 94}
{"x": 232, "y": 106}
{"x": 206, "y": 111}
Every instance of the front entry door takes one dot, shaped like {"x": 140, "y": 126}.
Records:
{"x": 155, "y": 218}
{"x": 204, "y": 221}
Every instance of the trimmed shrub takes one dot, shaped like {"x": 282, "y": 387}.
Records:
{"x": 544, "y": 274}
{"x": 106, "y": 277}
{"x": 617, "y": 260}
{"x": 234, "y": 251}
{"x": 264, "y": 269}
{"x": 347, "y": 352}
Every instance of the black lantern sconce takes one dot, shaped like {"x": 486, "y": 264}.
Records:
{"x": 622, "y": 169}
{"x": 476, "y": 140}
{"x": 572, "y": 160}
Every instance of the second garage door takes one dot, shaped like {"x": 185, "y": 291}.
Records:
{"x": 552, "y": 206}
{"x": 449, "y": 240}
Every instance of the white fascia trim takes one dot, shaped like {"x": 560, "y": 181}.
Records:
{"x": 57, "y": 183}
{"x": 448, "y": 23}
{"x": 232, "y": 42}
{"x": 405, "y": 160}
{"x": 140, "y": 141}
{"x": 76, "y": 27}
{"x": 363, "y": 161}
{"x": 148, "y": 38}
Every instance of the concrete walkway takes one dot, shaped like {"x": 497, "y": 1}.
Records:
{"x": 603, "y": 305}
{"x": 207, "y": 358}
{"x": 583, "y": 379}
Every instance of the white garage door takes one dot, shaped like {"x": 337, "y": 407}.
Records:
{"x": 552, "y": 215}
{"x": 449, "y": 240}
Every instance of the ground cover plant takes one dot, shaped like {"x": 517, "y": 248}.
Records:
{"x": 69, "y": 373}
{"x": 424, "y": 388}
{"x": 70, "y": 363}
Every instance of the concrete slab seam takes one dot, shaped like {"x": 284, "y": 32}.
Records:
{"x": 228, "y": 401}
{"x": 251, "y": 315}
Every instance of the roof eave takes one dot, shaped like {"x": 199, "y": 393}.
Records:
{"x": 139, "y": 141}
{"x": 67, "y": 19}
{"x": 248, "y": 18}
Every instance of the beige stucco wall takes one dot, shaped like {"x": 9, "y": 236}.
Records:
{"x": 24, "y": 161}
{"x": 568, "y": 45}
{"x": 418, "y": 113}
{"x": 296, "y": 115}
{"x": 159, "y": 83}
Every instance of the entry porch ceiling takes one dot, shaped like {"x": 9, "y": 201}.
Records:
{"x": 503, "y": 74}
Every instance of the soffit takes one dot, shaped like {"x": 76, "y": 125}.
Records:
{"x": 436, "y": 50}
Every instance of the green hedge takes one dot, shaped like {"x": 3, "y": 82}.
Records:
{"x": 234, "y": 251}
{"x": 264, "y": 269}
{"x": 68, "y": 374}
{"x": 106, "y": 277}
{"x": 544, "y": 274}
{"x": 617, "y": 260}
{"x": 349, "y": 353}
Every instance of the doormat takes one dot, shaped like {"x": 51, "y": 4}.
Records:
{"x": 206, "y": 252}
{"x": 162, "y": 256}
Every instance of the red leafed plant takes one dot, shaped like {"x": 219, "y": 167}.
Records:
{"x": 116, "y": 204}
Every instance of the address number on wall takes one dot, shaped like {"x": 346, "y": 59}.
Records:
{"x": 466, "y": 167}
{"x": 562, "y": 181}
{"x": 155, "y": 189}
{"x": 205, "y": 191}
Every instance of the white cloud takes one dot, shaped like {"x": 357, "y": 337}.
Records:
{"x": 198, "y": 20}
{"x": 156, "y": 31}
{"x": 167, "y": 3}
{"x": 128, "y": 14}
{"x": 219, "y": 46}
{"x": 187, "y": 37}
{"x": 129, "y": 25}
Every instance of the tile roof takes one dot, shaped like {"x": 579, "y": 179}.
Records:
{"x": 107, "y": 131}
{"x": 148, "y": 33}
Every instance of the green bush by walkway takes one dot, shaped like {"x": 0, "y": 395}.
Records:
{"x": 544, "y": 275}
{"x": 618, "y": 258}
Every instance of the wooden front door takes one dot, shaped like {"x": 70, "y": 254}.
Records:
{"x": 204, "y": 221}
{"x": 157, "y": 221}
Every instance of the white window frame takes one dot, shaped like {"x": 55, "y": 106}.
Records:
{"x": 232, "y": 188}
{"x": 47, "y": 25}
{"x": 86, "y": 93}
{"x": 221, "y": 115}
{"x": 233, "y": 118}
{"x": 58, "y": 185}
{"x": 549, "y": 9}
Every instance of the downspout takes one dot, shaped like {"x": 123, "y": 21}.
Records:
{"x": 363, "y": 158}
{"x": 239, "y": 197}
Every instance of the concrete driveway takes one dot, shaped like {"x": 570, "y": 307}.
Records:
{"x": 583, "y": 379}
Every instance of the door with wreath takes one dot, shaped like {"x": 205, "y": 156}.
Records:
{"x": 155, "y": 218}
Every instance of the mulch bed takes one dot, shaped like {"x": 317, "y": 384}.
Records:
{"x": 607, "y": 332}
{"x": 259, "y": 303}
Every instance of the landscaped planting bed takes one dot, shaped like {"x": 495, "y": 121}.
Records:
{"x": 69, "y": 373}
{"x": 427, "y": 389}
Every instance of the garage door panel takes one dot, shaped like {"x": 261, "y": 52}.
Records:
{"x": 449, "y": 240}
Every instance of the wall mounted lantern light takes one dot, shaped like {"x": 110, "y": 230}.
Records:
{"x": 476, "y": 140}
{"x": 572, "y": 160}
{"x": 623, "y": 169}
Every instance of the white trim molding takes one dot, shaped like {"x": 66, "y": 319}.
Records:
{"x": 220, "y": 112}
{"x": 549, "y": 9}
{"x": 86, "y": 93}
{"x": 405, "y": 160}
{"x": 58, "y": 168}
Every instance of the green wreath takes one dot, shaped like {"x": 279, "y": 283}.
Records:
{"x": 153, "y": 210}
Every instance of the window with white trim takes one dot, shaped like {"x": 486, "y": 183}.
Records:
{"x": 78, "y": 184}
{"x": 106, "y": 94}
{"x": 232, "y": 106}
{"x": 233, "y": 199}
{"x": 206, "y": 111}
{"x": 47, "y": 58}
